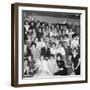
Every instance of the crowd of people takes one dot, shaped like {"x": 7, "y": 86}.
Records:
{"x": 51, "y": 49}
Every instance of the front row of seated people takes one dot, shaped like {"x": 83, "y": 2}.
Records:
{"x": 53, "y": 65}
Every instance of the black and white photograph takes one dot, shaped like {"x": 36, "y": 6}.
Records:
{"x": 50, "y": 44}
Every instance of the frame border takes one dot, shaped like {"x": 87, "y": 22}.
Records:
{"x": 14, "y": 43}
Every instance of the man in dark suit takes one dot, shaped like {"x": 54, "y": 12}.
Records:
{"x": 45, "y": 51}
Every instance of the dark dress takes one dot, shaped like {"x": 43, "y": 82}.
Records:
{"x": 29, "y": 52}
{"x": 31, "y": 68}
{"x": 68, "y": 50}
{"x": 45, "y": 52}
{"x": 61, "y": 64}
{"x": 39, "y": 35}
{"x": 75, "y": 61}
{"x": 69, "y": 68}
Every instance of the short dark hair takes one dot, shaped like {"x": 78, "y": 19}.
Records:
{"x": 60, "y": 42}
{"x": 75, "y": 49}
{"x": 56, "y": 37}
{"x": 26, "y": 60}
{"x": 54, "y": 43}
{"x": 30, "y": 56}
{"x": 26, "y": 21}
{"x": 70, "y": 54}
{"x": 52, "y": 55}
{"x": 59, "y": 55}
{"x": 47, "y": 36}
{"x": 74, "y": 35}
{"x": 43, "y": 23}
{"x": 35, "y": 38}
{"x": 66, "y": 35}
{"x": 33, "y": 43}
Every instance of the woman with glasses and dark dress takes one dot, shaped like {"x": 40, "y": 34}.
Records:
{"x": 76, "y": 61}
{"x": 34, "y": 51}
{"x": 61, "y": 66}
{"x": 69, "y": 65}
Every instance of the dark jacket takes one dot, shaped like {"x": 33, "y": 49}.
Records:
{"x": 45, "y": 52}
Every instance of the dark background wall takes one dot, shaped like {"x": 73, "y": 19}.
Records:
{"x": 53, "y": 17}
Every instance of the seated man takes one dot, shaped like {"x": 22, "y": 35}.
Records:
{"x": 75, "y": 41}
{"x": 61, "y": 49}
{"x": 45, "y": 51}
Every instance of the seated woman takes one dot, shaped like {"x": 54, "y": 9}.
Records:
{"x": 53, "y": 32}
{"x": 69, "y": 65}
{"x": 31, "y": 66}
{"x": 52, "y": 64}
{"x": 42, "y": 68}
{"x": 26, "y": 67}
{"x": 56, "y": 40}
{"x": 41, "y": 43}
{"x": 61, "y": 66}
{"x": 29, "y": 40}
{"x": 75, "y": 41}
{"x": 61, "y": 49}
{"x": 25, "y": 50}
{"x": 39, "y": 33}
{"x": 26, "y": 26}
{"x": 52, "y": 39}
{"x": 34, "y": 51}
{"x": 53, "y": 49}
{"x": 76, "y": 61}
{"x": 37, "y": 42}
{"x": 33, "y": 34}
